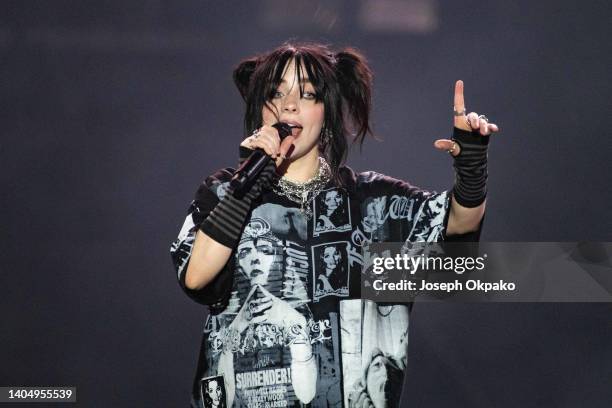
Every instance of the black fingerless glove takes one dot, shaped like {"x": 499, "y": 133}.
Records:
{"x": 470, "y": 188}
{"x": 225, "y": 222}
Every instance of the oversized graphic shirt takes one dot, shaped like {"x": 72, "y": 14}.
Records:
{"x": 295, "y": 331}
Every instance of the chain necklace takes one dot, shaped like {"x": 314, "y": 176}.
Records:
{"x": 303, "y": 193}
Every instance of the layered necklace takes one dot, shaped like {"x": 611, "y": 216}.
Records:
{"x": 304, "y": 193}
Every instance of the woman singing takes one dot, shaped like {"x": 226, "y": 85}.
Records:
{"x": 277, "y": 337}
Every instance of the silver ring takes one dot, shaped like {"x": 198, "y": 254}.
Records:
{"x": 457, "y": 113}
{"x": 483, "y": 117}
{"x": 255, "y": 133}
{"x": 453, "y": 147}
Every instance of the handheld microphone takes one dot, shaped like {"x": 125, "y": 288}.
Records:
{"x": 254, "y": 164}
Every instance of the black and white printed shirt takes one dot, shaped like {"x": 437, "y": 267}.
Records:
{"x": 294, "y": 330}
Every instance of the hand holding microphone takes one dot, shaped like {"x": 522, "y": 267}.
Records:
{"x": 268, "y": 142}
{"x": 274, "y": 140}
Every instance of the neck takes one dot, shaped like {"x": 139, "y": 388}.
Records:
{"x": 304, "y": 168}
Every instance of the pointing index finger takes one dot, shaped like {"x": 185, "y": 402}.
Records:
{"x": 459, "y": 102}
{"x": 286, "y": 145}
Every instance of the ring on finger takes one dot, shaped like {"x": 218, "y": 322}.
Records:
{"x": 453, "y": 147}
{"x": 483, "y": 117}
{"x": 459, "y": 113}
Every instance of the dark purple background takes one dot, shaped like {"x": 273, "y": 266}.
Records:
{"x": 114, "y": 111}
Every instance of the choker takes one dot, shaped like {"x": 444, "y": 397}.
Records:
{"x": 303, "y": 193}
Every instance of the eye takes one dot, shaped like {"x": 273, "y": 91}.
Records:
{"x": 266, "y": 250}
{"x": 243, "y": 253}
{"x": 309, "y": 95}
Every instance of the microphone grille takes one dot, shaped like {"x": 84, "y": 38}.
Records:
{"x": 283, "y": 128}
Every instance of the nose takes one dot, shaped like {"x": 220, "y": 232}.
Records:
{"x": 290, "y": 103}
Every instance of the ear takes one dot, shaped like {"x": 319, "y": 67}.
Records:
{"x": 242, "y": 75}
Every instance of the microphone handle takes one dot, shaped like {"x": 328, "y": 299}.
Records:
{"x": 249, "y": 169}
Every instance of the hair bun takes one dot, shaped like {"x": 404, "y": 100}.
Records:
{"x": 355, "y": 78}
{"x": 242, "y": 75}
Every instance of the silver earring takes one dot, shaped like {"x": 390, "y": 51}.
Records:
{"x": 326, "y": 136}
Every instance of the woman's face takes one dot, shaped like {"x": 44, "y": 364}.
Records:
{"x": 331, "y": 257}
{"x": 304, "y": 111}
{"x": 332, "y": 201}
{"x": 214, "y": 392}
{"x": 256, "y": 258}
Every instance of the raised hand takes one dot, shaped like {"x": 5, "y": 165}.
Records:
{"x": 472, "y": 122}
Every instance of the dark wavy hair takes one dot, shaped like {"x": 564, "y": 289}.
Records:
{"x": 342, "y": 81}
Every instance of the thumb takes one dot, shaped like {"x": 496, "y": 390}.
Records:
{"x": 446, "y": 145}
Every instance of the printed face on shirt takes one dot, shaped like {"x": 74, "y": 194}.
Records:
{"x": 376, "y": 381}
{"x": 331, "y": 257}
{"x": 332, "y": 212}
{"x": 370, "y": 218}
{"x": 213, "y": 389}
{"x": 255, "y": 258}
{"x": 332, "y": 201}
{"x": 302, "y": 110}
{"x": 374, "y": 217}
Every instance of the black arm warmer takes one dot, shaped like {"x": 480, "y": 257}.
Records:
{"x": 225, "y": 222}
{"x": 470, "y": 168}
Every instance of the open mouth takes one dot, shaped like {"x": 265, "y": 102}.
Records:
{"x": 296, "y": 127}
